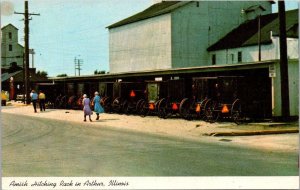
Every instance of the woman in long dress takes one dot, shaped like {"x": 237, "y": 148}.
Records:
{"x": 97, "y": 106}
{"x": 86, "y": 107}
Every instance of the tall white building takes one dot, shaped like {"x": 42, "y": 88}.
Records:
{"x": 11, "y": 50}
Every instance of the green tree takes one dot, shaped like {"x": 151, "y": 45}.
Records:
{"x": 96, "y": 72}
{"x": 62, "y": 75}
{"x": 42, "y": 73}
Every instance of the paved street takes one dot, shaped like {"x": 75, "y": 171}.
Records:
{"x": 33, "y": 146}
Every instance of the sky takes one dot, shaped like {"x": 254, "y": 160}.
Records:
{"x": 69, "y": 29}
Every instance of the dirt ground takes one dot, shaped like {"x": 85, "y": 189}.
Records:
{"x": 175, "y": 127}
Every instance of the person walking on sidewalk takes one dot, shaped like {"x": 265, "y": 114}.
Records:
{"x": 42, "y": 98}
{"x": 34, "y": 98}
{"x": 86, "y": 107}
{"x": 97, "y": 106}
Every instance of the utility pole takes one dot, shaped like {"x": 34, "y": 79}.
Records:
{"x": 259, "y": 37}
{"x": 24, "y": 79}
{"x": 78, "y": 64}
{"x": 75, "y": 61}
{"x": 26, "y": 31}
{"x": 285, "y": 101}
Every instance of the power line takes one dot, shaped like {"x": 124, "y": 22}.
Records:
{"x": 78, "y": 64}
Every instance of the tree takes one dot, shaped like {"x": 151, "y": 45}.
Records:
{"x": 62, "y": 75}
{"x": 42, "y": 73}
{"x": 96, "y": 72}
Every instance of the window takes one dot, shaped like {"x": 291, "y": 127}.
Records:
{"x": 213, "y": 59}
{"x": 10, "y": 47}
{"x": 9, "y": 35}
{"x": 232, "y": 58}
{"x": 239, "y": 57}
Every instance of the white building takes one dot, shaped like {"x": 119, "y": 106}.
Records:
{"x": 11, "y": 50}
{"x": 175, "y": 34}
{"x": 241, "y": 45}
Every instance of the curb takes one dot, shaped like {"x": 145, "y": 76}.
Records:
{"x": 238, "y": 133}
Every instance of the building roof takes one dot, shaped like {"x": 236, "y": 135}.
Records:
{"x": 157, "y": 9}
{"x": 6, "y": 76}
{"x": 154, "y": 10}
{"x": 18, "y": 76}
{"x": 247, "y": 33}
{"x": 167, "y": 72}
{"x": 9, "y": 25}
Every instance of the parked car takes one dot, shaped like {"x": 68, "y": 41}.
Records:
{"x": 20, "y": 97}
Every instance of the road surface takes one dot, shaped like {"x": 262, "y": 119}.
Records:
{"x": 45, "y": 147}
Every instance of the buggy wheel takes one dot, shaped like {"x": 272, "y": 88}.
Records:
{"x": 144, "y": 109}
{"x": 72, "y": 102}
{"x": 116, "y": 105}
{"x": 63, "y": 102}
{"x": 79, "y": 103}
{"x": 185, "y": 109}
{"x": 56, "y": 103}
{"x": 236, "y": 112}
{"x": 201, "y": 114}
{"x": 125, "y": 107}
{"x": 106, "y": 103}
{"x": 138, "y": 106}
{"x": 103, "y": 100}
{"x": 162, "y": 108}
{"x": 211, "y": 111}
{"x": 156, "y": 106}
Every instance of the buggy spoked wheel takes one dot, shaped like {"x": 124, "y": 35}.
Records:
{"x": 162, "y": 108}
{"x": 116, "y": 105}
{"x": 72, "y": 102}
{"x": 201, "y": 114}
{"x": 79, "y": 103}
{"x": 156, "y": 107}
{"x": 138, "y": 106}
{"x": 144, "y": 109}
{"x": 103, "y": 101}
{"x": 63, "y": 102}
{"x": 57, "y": 100}
{"x": 106, "y": 103}
{"x": 125, "y": 107}
{"x": 185, "y": 109}
{"x": 236, "y": 112}
{"x": 211, "y": 111}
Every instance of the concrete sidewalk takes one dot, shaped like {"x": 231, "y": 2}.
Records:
{"x": 175, "y": 127}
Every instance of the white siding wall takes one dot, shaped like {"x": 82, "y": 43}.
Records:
{"x": 8, "y": 57}
{"x": 194, "y": 28}
{"x": 146, "y": 45}
{"x": 292, "y": 48}
{"x": 250, "y": 53}
{"x": 143, "y": 45}
{"x": 293, "y": 71}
